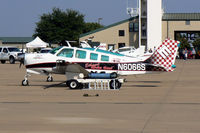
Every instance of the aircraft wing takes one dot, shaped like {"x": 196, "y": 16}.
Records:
{"x": 62, "y": 67}
{"x": 76, "y": 68}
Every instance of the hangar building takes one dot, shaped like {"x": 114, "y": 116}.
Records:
{"x": 125, "y": 32}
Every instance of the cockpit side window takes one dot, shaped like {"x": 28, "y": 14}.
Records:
{"x": 104, "y": 58}
{"x": 80, "y": 54}
{"x": 53, "y": 51}
{"x": 66, "y": 53}
{"x": 93, "y": 56}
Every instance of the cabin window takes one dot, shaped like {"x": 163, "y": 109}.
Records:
{"x": 66, "y": 53}
{"x": 93, "y": 56}
{"x": 104, "y": 58}
{"x": 80, "y": 54}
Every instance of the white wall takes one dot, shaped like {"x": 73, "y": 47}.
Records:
{"x": 154, "y": 23}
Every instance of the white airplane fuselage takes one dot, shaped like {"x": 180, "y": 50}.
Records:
{"x": 93, "y": 60}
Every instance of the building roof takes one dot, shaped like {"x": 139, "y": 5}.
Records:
{"x": 181, "y": 16}
{"x": 166, "y": 17}
{"x": 109, "y": 26}
{"x": 20, "y": 40}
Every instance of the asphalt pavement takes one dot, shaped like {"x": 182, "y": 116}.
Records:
{"x": 152, "y": 103}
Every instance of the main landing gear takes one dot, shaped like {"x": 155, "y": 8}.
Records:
{"x": 25, "y": 82}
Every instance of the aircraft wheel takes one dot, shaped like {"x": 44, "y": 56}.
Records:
{"x": 115, "y": 84}
{"x": 49, "y": 79}
{"x": 74, "y": 84}
{"x": 25, "y": 82}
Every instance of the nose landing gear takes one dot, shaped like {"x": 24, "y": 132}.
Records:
{"x": 25, "y": 81}
{"x": 49, "y": 78}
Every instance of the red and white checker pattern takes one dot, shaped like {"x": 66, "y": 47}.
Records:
{"x": 166, "y": 62}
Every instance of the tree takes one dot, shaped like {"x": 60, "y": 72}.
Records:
{"x": 184, "y": 42}
{"x": 91, "y": 26}
{"x": 60, "y": 25}
{"x": 196, "y": 43}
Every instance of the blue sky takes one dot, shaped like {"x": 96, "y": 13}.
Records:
{"x": 18, "y": 17}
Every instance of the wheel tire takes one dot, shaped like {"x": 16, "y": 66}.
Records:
{"x": 25, "y": 82}
{"x": 49, "y": 79}
{"x": 12, "y": 60}
{"x": 3, "y": 61}
{"x": 115, "y": 84}
{"x": 74, "y": 84}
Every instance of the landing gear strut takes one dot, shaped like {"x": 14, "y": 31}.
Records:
{"x": 49, "y": 78}
{"x": 25, "y": 81}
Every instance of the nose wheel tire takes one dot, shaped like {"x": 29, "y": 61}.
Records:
{"x": 25, "y": 82}
{"x": 49, "y": 79}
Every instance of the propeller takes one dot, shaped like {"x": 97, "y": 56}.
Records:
{"x": 21, "y": 60}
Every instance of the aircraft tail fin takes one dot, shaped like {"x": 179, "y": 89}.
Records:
{"x": 165, "y": 55}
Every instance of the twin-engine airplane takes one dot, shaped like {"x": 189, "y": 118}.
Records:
{"x": 72, "y": 61}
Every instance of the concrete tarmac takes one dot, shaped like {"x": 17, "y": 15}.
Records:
{"x": 153, "y": 103}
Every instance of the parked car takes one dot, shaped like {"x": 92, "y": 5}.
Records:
{"x": 9, "y": 53}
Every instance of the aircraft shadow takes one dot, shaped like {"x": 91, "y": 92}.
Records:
{"x": 145, "y": 81}
{"x": 62, "y": 84}
{"x": 150, "y": 86}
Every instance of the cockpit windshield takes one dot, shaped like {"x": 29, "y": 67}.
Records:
{"x": 53, "y": 51}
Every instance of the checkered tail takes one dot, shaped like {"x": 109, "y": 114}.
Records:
{"x": 165, "y": 55}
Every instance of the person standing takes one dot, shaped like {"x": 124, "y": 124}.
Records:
{"x": 185, "y": 54}
{"x": 193, "y": 53}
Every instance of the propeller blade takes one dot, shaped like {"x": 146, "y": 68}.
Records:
{"x": 21, "y": 62}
